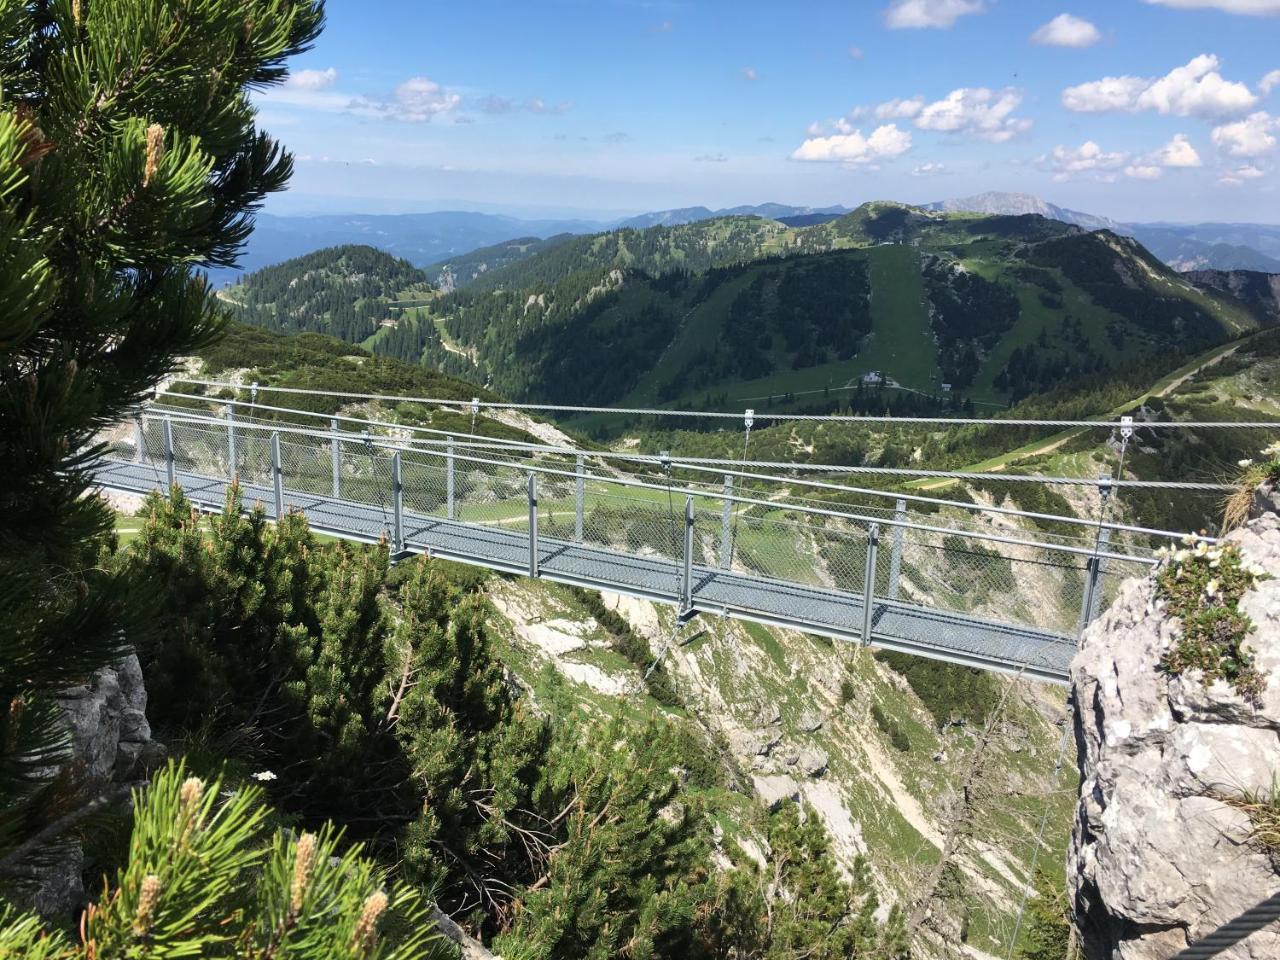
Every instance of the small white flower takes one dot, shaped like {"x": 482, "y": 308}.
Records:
{"x": 264, "y": 776}
{"x": 1246, "y": 463}
{"x": 1182, "y": 556}
{"x": 1211, "y": 589}
{"x": 1202, "y": 549}
{"x": 1273, "y": 450}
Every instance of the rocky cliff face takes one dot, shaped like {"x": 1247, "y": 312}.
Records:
{"x": 1160, "y": 854}
{"x": 110, "y": 745}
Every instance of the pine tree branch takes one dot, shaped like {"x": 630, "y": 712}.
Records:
{"x": 11, "y": 862}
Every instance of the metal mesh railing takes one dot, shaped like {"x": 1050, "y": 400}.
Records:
{"x": 963, "y": 565}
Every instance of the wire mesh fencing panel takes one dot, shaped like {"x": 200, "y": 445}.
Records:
{"x": 801, "y": 548}
{"x": 492, "y": 494}
{"x": 424, "y": 482}
{"x": 994, "y": 580}
{"x": 199, "y": 449}
{"x": 623, "y": 519}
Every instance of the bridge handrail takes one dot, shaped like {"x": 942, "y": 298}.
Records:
{"x": 719, "y": 496}
{"x": 735, "y": 468}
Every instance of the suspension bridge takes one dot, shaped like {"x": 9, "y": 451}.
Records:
{"x": 966, "y": 583}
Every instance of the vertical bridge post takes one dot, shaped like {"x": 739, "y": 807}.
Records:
{"x": 335, "y": 458}
{"x": 1091, "y": 602}
{"x": 1091, "y": 599}
{"x": 895, "y": 555}
{"x": 579, "y": 498}
{"x": 169, "y": 467}
{"x": 397, "y": 485}
{"x": 231, "y": 441}
{"x": 139, "y": 441}
{"x": 726, "y": 525}
{"x": 686, "y": 576}
{"x": 450, "y": 510}
{"x": 869, "y": 581}
{"x": 277, "y": 476}
{"x": 533, "y": 524}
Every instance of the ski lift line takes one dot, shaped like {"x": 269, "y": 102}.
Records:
{"x": 732, "y": 498}
{"x": 722, "y": 415}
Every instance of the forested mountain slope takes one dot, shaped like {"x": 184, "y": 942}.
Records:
{"x": 746, "y": 311}
{"x": 343, "y": 291}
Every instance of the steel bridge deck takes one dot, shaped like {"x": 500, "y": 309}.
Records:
{"x": 905, "y": 627}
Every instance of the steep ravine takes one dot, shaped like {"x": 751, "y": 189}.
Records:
{"x": 796, "y": 717}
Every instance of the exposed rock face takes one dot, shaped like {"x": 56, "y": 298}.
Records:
{"x": 1158, "y": 858}
{"x": 110, "y": 745}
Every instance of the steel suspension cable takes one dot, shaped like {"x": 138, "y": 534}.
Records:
{"x": 722, "y": 415}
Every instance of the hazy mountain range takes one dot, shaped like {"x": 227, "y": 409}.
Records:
{"x": 427, "y": 239}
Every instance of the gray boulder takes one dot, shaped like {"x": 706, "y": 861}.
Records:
{"x": 1159, "y": 856}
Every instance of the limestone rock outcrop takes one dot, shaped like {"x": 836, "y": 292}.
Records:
{"x": 110, "y": 745}
{"x": 1160, "y": 856}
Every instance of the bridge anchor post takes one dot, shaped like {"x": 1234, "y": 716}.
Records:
{"x": 533, "y": 524}
{"x": 397, "y": 488}
{"x": 335, "y": 458}
{"x": 726, "y": 525}
{"x": 139, "y": 441}
{"x": 869, "y": 581}
{"x": 277, "y": 476}
{"x": 450, "y": 511}
{"x": 686, "y": 576}
{"x": 579, "y": 498}
{"x": 169, "y": 466}
{"x": 895, "y": 553}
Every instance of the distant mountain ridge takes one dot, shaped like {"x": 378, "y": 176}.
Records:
{"x": 1182, "y": 246}
{"x": 473, "y": 243}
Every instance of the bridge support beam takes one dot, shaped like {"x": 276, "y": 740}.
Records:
{"x": 397, "y": 499}
{"x": 686, "y": 574}
{"x": 533, "y": 524}
{"x": 450, "y": 510}
{"x": 169, "y": 467}
{"x": 726, "y": 525}
{"x": 579, "y": 498}
{"x": 895, "y": 554}
{"x": 335, "y": 458}
{"x": 869, "y": 581}
{"x": 277, "y": 476}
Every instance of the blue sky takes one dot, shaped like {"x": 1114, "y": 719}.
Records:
{"x": 1137, "y": 109}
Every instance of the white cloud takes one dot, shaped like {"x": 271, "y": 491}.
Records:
{"x": 1066, "y": 162}
{"x": 978, "y": 111}
{"x": 749, "y": 73}
{"x": 898, "y": 109}
{"x": 417, "y": 100}
{"x": 941, "y": 14}
{"x": 929, "y": 170}
{"x": 1253, "y": 136}
{"x": 1194, "y": 89}
{"x": 1269, "y": 82}
{"x": 711, "y": 158}
{"x": 1178, "y": 152}
{"x": 885, "y": 143}
{"x": 1066, "y": 30}
{"x": 1143, "y": 171}
{"x": 312, "y": 79}
{"x": 1240, "y": 175}
{"x": 538, "y": 105}
{"x": 855, "y": 52}
{"x": 1109, "y": 93}
{"x": 1253, "y": 8}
